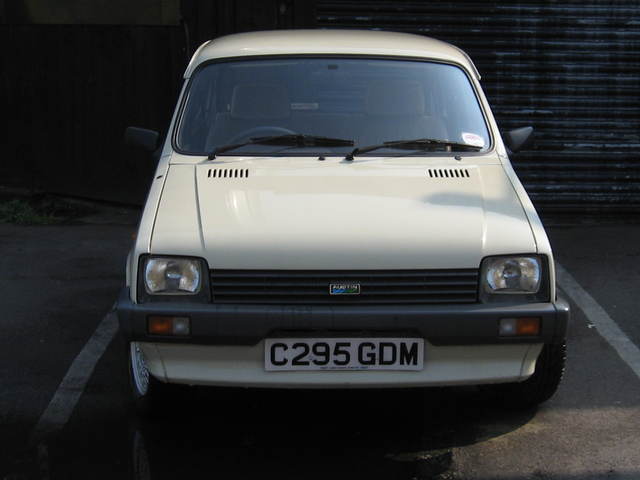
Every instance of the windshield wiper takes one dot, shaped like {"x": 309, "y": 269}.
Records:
{"x": 294, "y": 140}
{"x": 416, "y": 144}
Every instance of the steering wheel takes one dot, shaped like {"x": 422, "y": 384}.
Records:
{"x": 262, "y": 131}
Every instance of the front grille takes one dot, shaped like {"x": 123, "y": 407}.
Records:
{"x": 311, "y": 287}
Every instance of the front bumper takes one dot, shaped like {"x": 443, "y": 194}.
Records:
{"x": 243, "y": 366}
{"x": 248, "y": 325}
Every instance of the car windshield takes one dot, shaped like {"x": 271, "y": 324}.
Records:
{"x": 369, "y": 101}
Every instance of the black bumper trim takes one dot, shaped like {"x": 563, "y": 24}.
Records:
{"x": 226, "y": 324}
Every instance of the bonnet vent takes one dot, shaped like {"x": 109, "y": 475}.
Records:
{"x": 228, "y": 173}
{"x": 448, "y": 173}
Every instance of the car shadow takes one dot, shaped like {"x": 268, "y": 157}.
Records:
{"x": 314, "y": 433}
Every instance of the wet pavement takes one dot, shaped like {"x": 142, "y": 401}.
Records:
{"x": 53, "y": 302}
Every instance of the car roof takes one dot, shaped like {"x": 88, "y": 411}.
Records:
{"x": 336, "y": 42}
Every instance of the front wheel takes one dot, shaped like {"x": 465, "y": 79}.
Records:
{"x": 541, "y": 386}
{"x": 145, "y": 389}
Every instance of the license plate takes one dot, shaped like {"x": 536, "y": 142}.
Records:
{"x": 286, "y": 354}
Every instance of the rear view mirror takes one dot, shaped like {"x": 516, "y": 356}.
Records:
{"x": 141, "y": 138}
{"x": 519, "y": 138}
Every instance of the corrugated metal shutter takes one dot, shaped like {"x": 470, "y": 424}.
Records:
{"x": 570, "y": 69}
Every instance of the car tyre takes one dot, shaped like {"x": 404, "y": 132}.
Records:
{"x": 146, "y": 390}
{"x": 541, "y": 386}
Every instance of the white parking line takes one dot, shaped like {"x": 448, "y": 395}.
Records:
{"x": 74, "y": 382}
{"x": 604, "y": 324}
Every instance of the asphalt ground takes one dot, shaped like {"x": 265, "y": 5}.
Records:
{"x": 60, "y": 281}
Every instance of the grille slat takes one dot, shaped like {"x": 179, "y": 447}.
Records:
{"x": 267, "y": 300}
{"x": 316, "y": 291}
{"x": 342, "y": 274}
{"x": 293, "y": 287}
{"x": 320, "y": 283}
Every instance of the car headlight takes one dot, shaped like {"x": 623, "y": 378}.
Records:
{"x": 172, "y": 277}
{"x": 505, "y": 277}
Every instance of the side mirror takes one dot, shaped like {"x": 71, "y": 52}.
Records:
{"x": 141, "y": 138}
{"x": 519, "y": 138}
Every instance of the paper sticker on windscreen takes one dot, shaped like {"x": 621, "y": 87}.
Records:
{"x": 472, "y": 139}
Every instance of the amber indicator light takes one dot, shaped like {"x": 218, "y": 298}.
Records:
{"x": 519, "y": 327}
{"x": 529, "y": 326}
{"x": 160, "y": 325}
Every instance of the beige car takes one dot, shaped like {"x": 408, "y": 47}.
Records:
{"x": 337, "y": 209}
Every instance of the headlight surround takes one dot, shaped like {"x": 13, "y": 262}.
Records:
{"x": 513, "y": 278}
{"x": 167, "y": 278}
